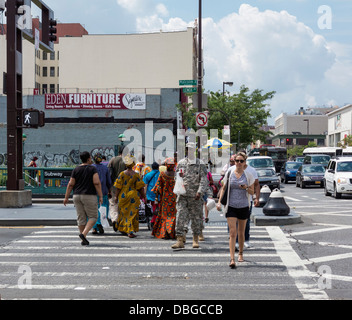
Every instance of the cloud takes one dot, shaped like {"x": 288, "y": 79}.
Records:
{"x": 268, "y": 50}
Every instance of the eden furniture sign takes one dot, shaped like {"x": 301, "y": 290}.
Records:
{"x": 95, "y": 101}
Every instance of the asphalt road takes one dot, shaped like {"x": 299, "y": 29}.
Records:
{"x": 306, "y": 261}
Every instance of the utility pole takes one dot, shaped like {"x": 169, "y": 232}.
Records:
{"x": 200, "y": 68}
{"x": 15, "y": 195}
{"x": 14, "y": 99}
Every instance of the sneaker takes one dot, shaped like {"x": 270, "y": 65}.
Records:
{"x": 247, "y": 245}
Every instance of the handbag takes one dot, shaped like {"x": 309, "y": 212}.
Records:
{"x": 223, "y": 200}
{"x": 179, "y": 187}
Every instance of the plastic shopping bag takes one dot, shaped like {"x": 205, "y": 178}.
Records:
{"x": 179, "y": 186}
{"x": 103, "y": 217}
{"x": 211, "y": 204}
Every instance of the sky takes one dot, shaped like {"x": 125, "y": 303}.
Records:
{"x": 302, "y": 49}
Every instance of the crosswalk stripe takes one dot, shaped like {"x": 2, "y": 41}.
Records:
{"x": 110, "y": 254}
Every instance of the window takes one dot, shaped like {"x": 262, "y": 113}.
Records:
{"x": 45, "y": 88}
{"x": 52, "y": 55}
{"x": 52, "y": 88}
{"x": 52, "y": 71}
{"x": 45, "y": 71}
{"x": 45, "y": 55}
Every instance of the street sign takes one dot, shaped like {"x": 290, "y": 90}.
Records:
{"x": 188, "y": 82}
{"x": 189, "y": 90}
{"x": 202, "y": 119}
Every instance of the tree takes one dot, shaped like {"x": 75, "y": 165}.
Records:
{"x": 244, "y": 112}
{"x": 346, "y": 142}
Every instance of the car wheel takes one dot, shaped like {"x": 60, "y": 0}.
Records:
{"x": 302, "y": 185}
{"x": 337, "y": 195}
{"x": 286, "y": 181}
{"x": 327, "y": 193}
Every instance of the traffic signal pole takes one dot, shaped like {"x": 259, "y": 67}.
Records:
{"x": 15, "y": 195}
{"x": 14, "y": 100}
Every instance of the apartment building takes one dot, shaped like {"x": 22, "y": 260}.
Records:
{"x": 339, "y": 125}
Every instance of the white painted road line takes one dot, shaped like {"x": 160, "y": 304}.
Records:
{"x": 295, "y": 266}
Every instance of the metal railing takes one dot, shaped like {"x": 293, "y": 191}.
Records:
{"x": 42, "y": 181}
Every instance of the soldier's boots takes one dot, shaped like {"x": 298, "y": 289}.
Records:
{"x": 195, "y": 242}
{"x": 179, "y": 244}
{"x": 201, "y": 237}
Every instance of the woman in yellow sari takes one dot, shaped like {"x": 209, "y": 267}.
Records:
{"x": 128, "y": 184}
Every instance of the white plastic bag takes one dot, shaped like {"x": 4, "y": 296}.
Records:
{"x": 179, "y": 187}
{"x": 211, "y": 204}
{"x": 103, "y": 217}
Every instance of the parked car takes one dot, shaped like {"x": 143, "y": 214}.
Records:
{"x": 310, "y": 174}
{"x": 338, "y": 177}
{"x": 260, "y": 162}
{"x": 268, "y": 177}
{"x": 289, "y": 170}
{"x": 299, "y": 159}
{"x": 317, "y": 159}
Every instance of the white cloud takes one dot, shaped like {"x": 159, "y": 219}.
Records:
{"x": 268, "y": 50}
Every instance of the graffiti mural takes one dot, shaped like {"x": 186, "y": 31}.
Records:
{"x": 3, "y": 159}
{"x": 57, "y": 159}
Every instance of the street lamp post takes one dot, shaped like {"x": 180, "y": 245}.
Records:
{"x": 223, "y": 86}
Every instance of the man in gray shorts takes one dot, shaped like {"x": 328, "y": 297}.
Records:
{"x": 86, "y": 185}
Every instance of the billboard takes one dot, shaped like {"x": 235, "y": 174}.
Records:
{"x": 95, "y": 101}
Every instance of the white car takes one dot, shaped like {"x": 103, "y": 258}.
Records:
{"x": 338, "y": 177}
{"x": 261, "y": 162}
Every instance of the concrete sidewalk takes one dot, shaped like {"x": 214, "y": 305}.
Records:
{"x": 39, "y": 214}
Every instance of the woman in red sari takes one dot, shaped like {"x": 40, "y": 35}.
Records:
{"x": 164, "y": 226}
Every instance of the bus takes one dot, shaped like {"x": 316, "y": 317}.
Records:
{"x": 278, "y": 154}
{"x": 330, "y": 151}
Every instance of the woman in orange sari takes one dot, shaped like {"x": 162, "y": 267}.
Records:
{"x": 164, "y": 226}
{"x": 128, "y": 184}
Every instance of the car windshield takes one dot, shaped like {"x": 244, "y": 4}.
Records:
{"x": 313, "y": 169}
{"x": 265, "y": 173}
{"x": 321, "y": 159}
{"x": 344, "y": 166}
{"x": 260, "y": 163}
{"x": 293, "y": 166}
{"x": 299, "y": 159}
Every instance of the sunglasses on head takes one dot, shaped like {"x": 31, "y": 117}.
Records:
{"x": 237, "y": 161}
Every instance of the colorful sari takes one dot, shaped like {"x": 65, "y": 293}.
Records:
{"x": 164, "y": 226}
{"x": 129, "y": 201}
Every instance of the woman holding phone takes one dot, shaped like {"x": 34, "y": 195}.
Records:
{"x": 239, "y": 185}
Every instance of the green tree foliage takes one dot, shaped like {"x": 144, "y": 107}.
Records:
{"x": 346, "y": 142}
{"x": 245, "y": 112}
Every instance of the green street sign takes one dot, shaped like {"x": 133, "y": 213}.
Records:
{"x": 190, "y": 90}
{"x": 188, "y": 82}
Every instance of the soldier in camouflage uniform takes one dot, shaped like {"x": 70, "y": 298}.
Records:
{"x": 190, "y": 206}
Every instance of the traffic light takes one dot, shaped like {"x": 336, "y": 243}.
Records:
{"x": 52, "y": 30}
{"x": 33, "y": 118}
{"x": 289, "y": 141}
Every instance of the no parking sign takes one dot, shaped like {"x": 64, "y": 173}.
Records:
{"x": 202, "y": 119}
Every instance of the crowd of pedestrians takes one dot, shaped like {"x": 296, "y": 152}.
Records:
{"x": 123, "y": 186}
